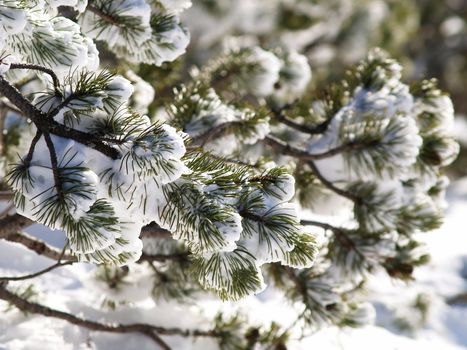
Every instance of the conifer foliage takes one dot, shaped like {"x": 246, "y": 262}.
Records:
{"x": 204, "y": 191}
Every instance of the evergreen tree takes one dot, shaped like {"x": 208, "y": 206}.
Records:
{"x": 197, "y": 187}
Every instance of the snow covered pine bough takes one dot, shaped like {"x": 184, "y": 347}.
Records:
{"x": 201, "y": 195}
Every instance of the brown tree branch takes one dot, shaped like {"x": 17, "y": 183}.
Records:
{"x": 38, "y": 246}
{"x": 48, "y": 125}
{"x": 339, "y": 233}
{"x": 32, "y": 147}
{"x": 149, "y": 330}
{"x": 6, "y": 196}
{"x": 296, "y": 152}
{"x": 38, "y": 273}
{"x": 48, "y": 71}
{"x": 42, "y": 248}
{"x": 58, "y": 264}
{"x": 331, "y": 186}
{"x": 213, "y": 133}
{"x": 12, "y": 224}
{"x": 106, "y": 17}
{"x": 312, "y": 130}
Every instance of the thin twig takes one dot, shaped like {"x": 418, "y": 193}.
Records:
{"x": 46, "y": 124}
{"x": 296, "y": 152}
{"x": 54, "y": 163}
{"x": 6, "y": 196}
{"x": 331, "y": 186}
{"x": 3, "y": 114}
{"x": 323, "y": 225}
{"x": 58, "y": 264}
{"x": 233, "y": 161}
{"x": 48, "y": 71}
{"x": 38, "y": 246}
{"x": 312, "y": 130}
{"x": 12, "y": 224}
{"x": 146, "y": 329}
{"x": 38, "y": 273}
{"x": 32, "y": 147}
{"x": 106, "y": 17}
{"x": 339, "y": 233}
{"x": 213, "y": 133}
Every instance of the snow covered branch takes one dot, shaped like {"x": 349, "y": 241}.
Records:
{"x": 12, "y": 224}
{"x": 148, "y": 330}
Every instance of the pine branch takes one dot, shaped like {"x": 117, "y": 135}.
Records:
{"x": 293, "y": 151}
{"x": 214, "y": 133}
{"x": 106, "y": 17}
{"x": 38, "y": 246}
{"x": 42, "y": 248}
{"x": 312, "y": 130}
{"x": 58, "y": 264}
{"x": 230, "y": 160}
{"x": 38, "y": 273}
{"x": 298, "y": 284}
{"x": 48, "y": 71}
{"x": 46, "y": 124}
{"x": 3, "y": 115}
{"x": 12, "y": 224}
{"x": 32, "y": 147}
{"x": 331, "y": 186}
{"x": 151, "y": 331}
{"x": 6, "y": 196}
{"x": 339, "y": 233}
{"x": 62, "y": 104}
{"x": 54, "y": 163}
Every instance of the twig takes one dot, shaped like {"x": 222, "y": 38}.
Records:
{"x": 331, "y": 186}
{"x": 12, "y": 224}
{"x": 6, "y": 196}
{"x": 323, "y": 225}
{"x": 312, "y": 130}
{"x": 149, "y": 330}
{"x": 233, "y": 161}
{"x": 32, "y": 147}
{"x": 46, "y": 124}
{"x": 213, "y": 133}
{"x": 38, "y": 246}
{"x": 340, "y": 234}
{"x": 459, "y": 299}
{"x": 296, "y": 152}
{"x": 106, "y": 17}
{"x": 54, "y": 163}
{"x": 3, "y": 114}
{"x": 42, "y": 248}
{"x": 48, "y": 71}
{"x": 38, "y": 273}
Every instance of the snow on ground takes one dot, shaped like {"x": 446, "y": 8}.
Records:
{"x": 445, "y": 326}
